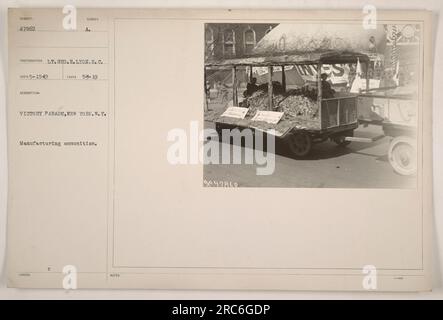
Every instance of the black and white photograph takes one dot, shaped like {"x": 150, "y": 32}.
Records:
{"x": 337, "y": 101}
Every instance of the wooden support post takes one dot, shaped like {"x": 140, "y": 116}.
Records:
{"x": 367, "y": 75}
{"x": 319, "y": 93}
{"x": 206, "y": 107}
{"x": 234, "y": 87}
{"x": 251, "y": 74}
{"x": 283, "y": 78}
{"x": 270, "y": 90}
{"x": 338, "y": 112}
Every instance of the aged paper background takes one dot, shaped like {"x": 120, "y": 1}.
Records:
{"x": 135, "y": 233}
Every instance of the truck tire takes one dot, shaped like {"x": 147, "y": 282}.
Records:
{"x": 402, "y": 155}
{"x": 300, "y": 143}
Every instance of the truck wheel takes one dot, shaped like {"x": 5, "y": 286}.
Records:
{"x": 300, "y": 143}
{"x": 403, "y": 155}
{"x": 340, "y": 139}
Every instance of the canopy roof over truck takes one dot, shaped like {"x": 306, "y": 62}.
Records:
{"x": 290, "y": 38}
{"x": 312, "y": 43}
{"x": 291, "y": 59}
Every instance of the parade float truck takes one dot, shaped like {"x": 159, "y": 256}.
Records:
{"x": 301, "y": 116}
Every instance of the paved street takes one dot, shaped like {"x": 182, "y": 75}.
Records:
{"x": 359, "y": 165}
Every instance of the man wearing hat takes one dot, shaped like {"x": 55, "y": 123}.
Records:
{"x": 326, "y": 89}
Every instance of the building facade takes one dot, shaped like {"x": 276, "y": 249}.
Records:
{"x": 228, "y": 40}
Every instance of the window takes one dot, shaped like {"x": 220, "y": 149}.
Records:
{"x": 249, "y": 40}
{"x": 229, "y": 42}
{"x": 209, "y": 41}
